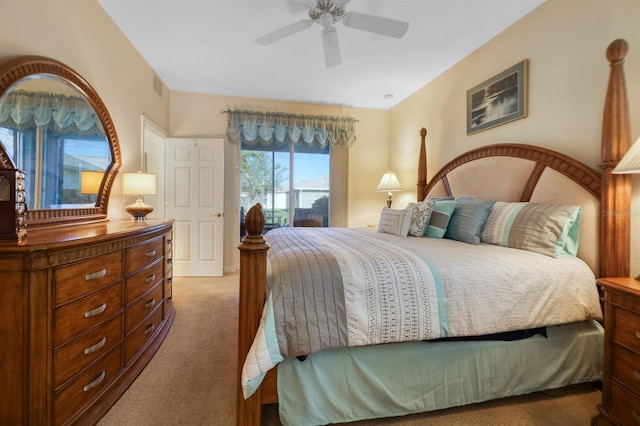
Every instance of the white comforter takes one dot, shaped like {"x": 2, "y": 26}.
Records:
{"x": 461, "y": 290}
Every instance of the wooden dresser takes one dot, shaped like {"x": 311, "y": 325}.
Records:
{"x": 621, "y": 370}
{"x": 85, "y": 308}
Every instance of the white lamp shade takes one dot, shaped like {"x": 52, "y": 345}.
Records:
{"x": 90, "y": 181}
{"x": 138, "y": 184}
{"x": 389, "y": 182}
{"x": 630, "y": 163}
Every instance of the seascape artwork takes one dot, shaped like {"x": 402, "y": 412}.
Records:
{"x": 498, "y": 100}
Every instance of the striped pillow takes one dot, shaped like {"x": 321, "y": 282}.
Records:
{"x": 550, "y": 229}
{"x": 396, "y": 222}
{"x": 439, "y": 220}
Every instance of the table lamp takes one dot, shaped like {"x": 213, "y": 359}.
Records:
{"x": 389, "y": 183}
{"x": 139, "y": 184}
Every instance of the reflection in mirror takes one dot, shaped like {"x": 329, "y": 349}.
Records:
{"x": 55, "y": 127}
{"x": 51, "y": 132}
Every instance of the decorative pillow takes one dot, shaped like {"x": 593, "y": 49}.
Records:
{"x": 420, "y": 215}
{"x": 437, "y": 225}
{"x": 551, "y": 229}
{"x": 468, "y": 218}
{"x": 396, "y": 222}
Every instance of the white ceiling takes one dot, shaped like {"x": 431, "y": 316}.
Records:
{"x": 207, "y": 46}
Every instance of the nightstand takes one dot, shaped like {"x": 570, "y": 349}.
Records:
{"x": 621, "y": 369}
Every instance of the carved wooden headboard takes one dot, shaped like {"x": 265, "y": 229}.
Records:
{"x": 518, "y": 172}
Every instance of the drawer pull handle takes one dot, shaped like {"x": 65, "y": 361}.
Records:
{"x": 97, "y": 311}
{"x": 150, "y": 278}
{"x": 637, "y": 374}
{"x": 92, "y": 349}
{"x": 150, "y": 253}
{"x": 169, "y": 261}
{"x": 150, "y": 329}
{"x": 96, "y": 382}
{"x": 95, "y": 275}
{"x": 150, "y": 303}
{"x": 638, "y": 334}
{"x": 170, "y": 280}
{"x": 635, "y": 416}
{"x": 169, "y": 300}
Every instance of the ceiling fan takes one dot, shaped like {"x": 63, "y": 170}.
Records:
{"x": 330, "y": 12}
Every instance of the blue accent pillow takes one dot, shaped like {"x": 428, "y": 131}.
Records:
{"x": 440, "y": 216}
{"x": 468, "y": 218}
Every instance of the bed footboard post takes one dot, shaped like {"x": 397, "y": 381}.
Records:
{"x": 252, "y": 294}
{"x": 422, "y": 165}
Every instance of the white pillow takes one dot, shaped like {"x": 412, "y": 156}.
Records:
{"x": 396, "y": 222}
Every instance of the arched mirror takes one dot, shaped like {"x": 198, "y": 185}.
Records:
{"x": 55, "y": 127}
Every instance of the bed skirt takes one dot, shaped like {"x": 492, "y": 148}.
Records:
{"x": 389, "y": 380}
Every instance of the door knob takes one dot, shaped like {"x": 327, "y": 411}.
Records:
{"x": 217, "y": 214}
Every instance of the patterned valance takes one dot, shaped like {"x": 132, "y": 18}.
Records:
{"x": 267, "y": 128}
{"x": 25, "y": 110}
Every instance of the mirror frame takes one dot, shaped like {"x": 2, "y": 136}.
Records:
{"x": 18, "y": 68}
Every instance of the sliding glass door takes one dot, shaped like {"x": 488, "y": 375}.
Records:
{"x": 291, "y": 181}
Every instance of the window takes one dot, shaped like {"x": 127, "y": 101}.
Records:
{"x": 286, "y": 162}
{"x": 291, "y": 181}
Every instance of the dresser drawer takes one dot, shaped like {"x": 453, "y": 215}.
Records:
{"x": 140, "y": 256}
{"x": 79, "y": 279}
{"x": 168, "y": 294}
{"x": 143, "y": 307}
{"x": 625, "y": 405}
{"x": 86, "y": 386}
{"x": 627, "y": 329}
{"x": 625, "y": 366}
{"x": 142, "y": 334}
{"x": 76, "y": 318}
{"x": 75, "y": 356}
{"x": 626, "y": 301}
{"x": 142, "y": 281}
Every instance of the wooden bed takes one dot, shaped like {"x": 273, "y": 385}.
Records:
{"x": 607, "y": 253}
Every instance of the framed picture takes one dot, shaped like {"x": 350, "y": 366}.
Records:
{"x": 499, "y": 100}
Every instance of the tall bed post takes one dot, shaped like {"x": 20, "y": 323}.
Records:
{"x": 422, "y": 165}
{"x": 615, "y": 215}
{"x": 252, "y": 295}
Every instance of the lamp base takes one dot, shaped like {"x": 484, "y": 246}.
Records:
{"x": 389, "y": 199}
{"x": 139, "y": 210}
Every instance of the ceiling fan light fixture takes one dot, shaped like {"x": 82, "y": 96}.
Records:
{"x": 326, "y": 19}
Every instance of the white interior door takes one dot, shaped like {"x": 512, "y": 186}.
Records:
{"x": 153, "y": 155}
{"x": 195, "y": 198}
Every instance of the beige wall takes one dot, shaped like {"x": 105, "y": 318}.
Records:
{"x": 565, "y": 42}
{"x": 81, "y": 35}
{"x": 199, "y": 115}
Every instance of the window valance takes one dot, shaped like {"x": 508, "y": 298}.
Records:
{"x": 22, "y": 110}
{"x": 266, "y": 128}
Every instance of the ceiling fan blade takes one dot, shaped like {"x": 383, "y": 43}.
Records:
{"x": 331, "y": 47}
{"x": 375, "y": 24}
{"x": 283, "y": 32}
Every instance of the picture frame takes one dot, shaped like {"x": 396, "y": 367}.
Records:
{"x": 498, "y": 100}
